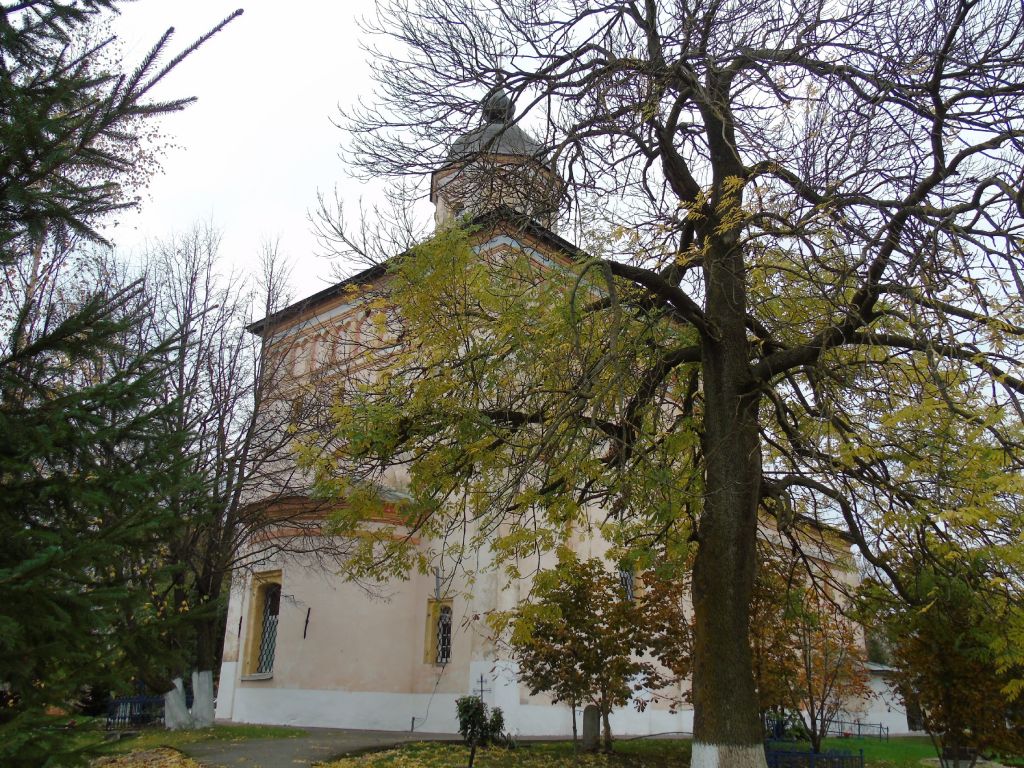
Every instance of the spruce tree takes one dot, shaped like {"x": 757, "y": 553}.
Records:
{"x": 86, "y": 452}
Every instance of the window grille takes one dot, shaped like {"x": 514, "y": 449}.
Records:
{"x": 444, "y": 635}
{"x": 626, "y": 580}
{"x": 268, "y": 628}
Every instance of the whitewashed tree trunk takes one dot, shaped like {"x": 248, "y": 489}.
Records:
{"x": 176, "y": 714}
{"x": 202, "y": 699}
{"x": 727, "y": 756}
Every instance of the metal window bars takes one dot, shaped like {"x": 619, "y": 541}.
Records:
{"x": 444, "y": 635}
{"x": 268, "y": 629}
{"x": 627, "y": 580}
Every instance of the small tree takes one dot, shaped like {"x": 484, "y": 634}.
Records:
{"x": 478, "y": 726}
{"x": 580, "y": 639}
{"x": 808, "y": 656}
{"x": 772, "y": 637}
{"x": 830, "y": 666}
{"x": 667, "y": 629}
{"x": 944, "y": 649}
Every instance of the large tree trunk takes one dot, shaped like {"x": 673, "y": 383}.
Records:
{"x": 727, "y": 730}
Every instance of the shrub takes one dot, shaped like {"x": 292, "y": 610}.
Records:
{"x": 478, "y": 727}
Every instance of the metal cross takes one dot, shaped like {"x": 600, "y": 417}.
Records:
{"x": 483, "y": 690}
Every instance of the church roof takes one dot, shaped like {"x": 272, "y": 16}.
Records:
{"x": 498, "y": 133}
{"x": 502, "y": 214}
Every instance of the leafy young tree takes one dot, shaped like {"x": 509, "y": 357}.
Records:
{"x": 831, "y": 672}
{"x": 88, "y": 449}
{"x": 772, "y": 636}
{"x": 581, "y": 639}
{"x": 668, "y": 634}
{"x": 945, "y": 648}
{"x": 478, "y": 726}
{"x": 808, "y": 655}
{"x": 806, "y": 228}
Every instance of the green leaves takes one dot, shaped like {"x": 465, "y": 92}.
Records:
{"x": 90, "y": 452}
{"x": 956, "y": 650}
{"x": 85, "y": 466}
{"x": 508, "y": 390}
{"x": 71, "y": 122}
{"x": 582, "y": 638}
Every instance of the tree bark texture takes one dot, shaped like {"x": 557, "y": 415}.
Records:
{"x": 727, "y": 730}
{"x": 607, "y": 729}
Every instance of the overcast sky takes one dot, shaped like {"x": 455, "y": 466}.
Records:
{"x": 251, "y": 154}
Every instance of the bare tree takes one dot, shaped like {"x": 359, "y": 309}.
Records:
{"x": 820, "y": 208}
{"x": 241, "y": 412}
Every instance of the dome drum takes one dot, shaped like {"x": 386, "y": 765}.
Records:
{"x": 497, "y": 164}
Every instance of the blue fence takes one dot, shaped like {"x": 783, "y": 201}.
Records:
{"x": 138, "y": 711}
{"x": 784, "y": 758}
{"x": 782, "y": 728}
{"x": 135, "y": 711}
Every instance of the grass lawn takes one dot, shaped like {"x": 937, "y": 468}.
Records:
{"x": 148, "y": 739}
{"x": 150, "y": 758}
{"x": 639, "y": 753}
{"x": 897, "y": 752}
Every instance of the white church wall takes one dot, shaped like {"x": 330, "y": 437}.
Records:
{"x": 433, "y": 713}
{"x": 886, "y": 707}
{"x": 346, "y": 709}
{"x": 226, "y": 691}
{"x": 332, "y": 636}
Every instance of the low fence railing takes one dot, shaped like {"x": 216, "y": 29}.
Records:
{"x": 786, "y": 758}
{"x": 858, "y": 730}
{"x": 778, "y": 728}
{"x": 134, "y": 711}
{"x": 141, "y": 710}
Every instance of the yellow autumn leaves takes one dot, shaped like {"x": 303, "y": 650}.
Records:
{"x": 531, "y": 756}
{"x": 150, "y": 758}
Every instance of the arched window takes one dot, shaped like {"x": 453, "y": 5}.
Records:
{"x": 268, "y": 628}
{"x": 264, "y": 611}
{"x": 438, "y": 645}
{"x": 444, "y": 635}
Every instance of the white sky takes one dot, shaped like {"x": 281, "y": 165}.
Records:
{"x": 251, "y": 154}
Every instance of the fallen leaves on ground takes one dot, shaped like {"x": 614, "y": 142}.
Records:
{"x": 150, "y": 758}
{"x": 454, "y": 756}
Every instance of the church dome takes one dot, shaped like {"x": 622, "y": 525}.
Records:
{"x": 497, "y": 134}
{"x": 497, "y": 108}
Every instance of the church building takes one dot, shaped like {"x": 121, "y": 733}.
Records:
{"x": 306, "y": 647}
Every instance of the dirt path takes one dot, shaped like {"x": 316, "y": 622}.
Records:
{"x": 318, "y": 745}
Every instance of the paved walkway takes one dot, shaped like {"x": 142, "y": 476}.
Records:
{"x": 318, "y": 745}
